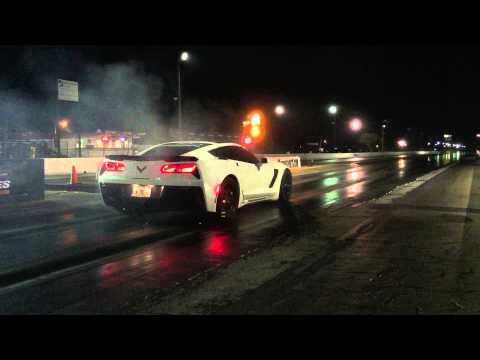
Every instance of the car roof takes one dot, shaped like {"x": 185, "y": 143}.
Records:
{"x": 187, "y": 142}
{"x": 198, "y": 152}
{"x": 206, "y": 149}
{"x": 209, "y": 145}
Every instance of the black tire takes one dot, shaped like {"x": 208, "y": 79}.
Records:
{"x": 227, "y": 201}
{"x": 285, "y": 187}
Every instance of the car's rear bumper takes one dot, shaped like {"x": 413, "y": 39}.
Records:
{"x": 163, "y": 198}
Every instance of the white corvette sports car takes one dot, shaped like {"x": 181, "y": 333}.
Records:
{"x": 213, "y": 177}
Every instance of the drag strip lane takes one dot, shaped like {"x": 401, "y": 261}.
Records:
{"x": 109, "y": 283}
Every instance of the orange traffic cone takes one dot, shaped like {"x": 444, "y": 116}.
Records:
{"x": 73, "y": 176}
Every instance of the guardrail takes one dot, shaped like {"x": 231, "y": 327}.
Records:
{"x": 296, "y": 160}
{"x": 290, "y": 161}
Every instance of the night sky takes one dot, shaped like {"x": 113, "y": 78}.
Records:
{"x": 428, "y": 89}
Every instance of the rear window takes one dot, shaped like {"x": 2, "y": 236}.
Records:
{"x": 170, "y": 151}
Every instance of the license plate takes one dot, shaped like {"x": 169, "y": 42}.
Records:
{"x": 142, "y": 191}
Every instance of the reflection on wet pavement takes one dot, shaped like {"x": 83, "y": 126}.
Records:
{"x": 218, "y": 244}
{"x": 68, "y": 237}
{"x": 184, "y": 247}
{"x": 330, "y": 197}
{"x": 354, "y": 190}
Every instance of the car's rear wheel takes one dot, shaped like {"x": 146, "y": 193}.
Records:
{"x": 227, "y": 201}
{"x": 285, "y": 187}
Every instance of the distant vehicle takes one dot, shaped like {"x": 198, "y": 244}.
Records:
{"x": 217, "y": 178}
{"x": 312, "y": 147}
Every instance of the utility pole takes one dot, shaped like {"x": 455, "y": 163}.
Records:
{"x": 334, "y": 123}
{"x": 384, "y": 126}
{"x": 79, "y": 144}
{"x": 56, "y": 133}
{"x": 383, "y": 137}
{"x": 179, "y": 67}
{"x": 182, "y": 57}
{"x": 332, "y": 110}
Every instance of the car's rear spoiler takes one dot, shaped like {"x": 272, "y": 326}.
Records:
{"x": 151, "y": 158}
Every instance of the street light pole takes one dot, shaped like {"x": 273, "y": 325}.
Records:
{"x": 334, "y": 123}
{"x": 56, "y": 140}
{"x": 332, "y": 110}
{"x": 383, "y": 136}
{"x": 179, "y": 98}
{"x": 79, "y": 144}
{"x": 61, "y": 124}
{"x": 384, "y": 126}
{"x": 279, "y": 110}
{"x": 183, "y": 57}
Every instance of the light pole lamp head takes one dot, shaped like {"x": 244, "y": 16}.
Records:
{"x": 63, "y": 124}
{"x": 402, "y": 143}
{"x": 184, "y": 56}
{"x": 332, "y": 109}
{"x": 279, "y": 110}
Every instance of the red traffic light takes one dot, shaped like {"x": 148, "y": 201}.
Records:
{"x": 105, "y": 139}
{"x": 254, "y": 131}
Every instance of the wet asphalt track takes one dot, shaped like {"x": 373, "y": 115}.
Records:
{"x": 178, "y": 247}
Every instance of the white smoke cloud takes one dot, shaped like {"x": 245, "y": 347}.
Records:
{"x": 118, "y": 96}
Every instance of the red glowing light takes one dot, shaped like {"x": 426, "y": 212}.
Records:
{"x": 108, "y": 269}
{"x": 402, "y": 143}
{"x": 63, "y": 124}
{"x": 113, "y": 166}
{"x": 247, "y": 140}
{"x": 356, "y": 124}
{"x": 180, "y": 168}
{"x": 218, "y": 245}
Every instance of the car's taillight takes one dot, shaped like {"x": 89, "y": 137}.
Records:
{"x": 179, "y": 168}
{"x": 115, "y": 166}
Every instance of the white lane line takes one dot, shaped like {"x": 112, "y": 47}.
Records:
{"x": 402, "y": 190}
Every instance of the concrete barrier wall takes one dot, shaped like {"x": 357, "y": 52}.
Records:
{"x": 339, "y": 156}
{"x": 290, "y": 161}
{"x": 63, "y": 166}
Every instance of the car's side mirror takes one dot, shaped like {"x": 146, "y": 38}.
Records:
{"x": 264, "y": 160}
